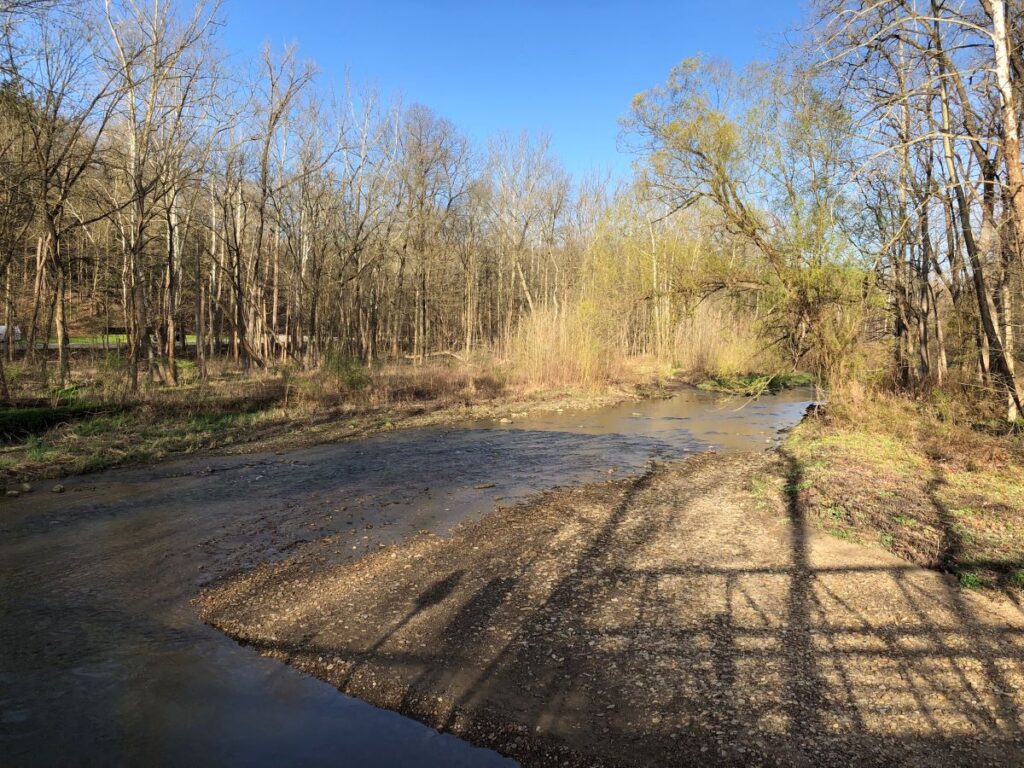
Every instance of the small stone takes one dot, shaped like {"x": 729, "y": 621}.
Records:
{"x": 505, "y": 421}
{"x": 13, "y": 494}
{"x": 26, "y": 488}
{"x": 58, "y": 488}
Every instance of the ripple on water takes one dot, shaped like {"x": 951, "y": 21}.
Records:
{"x": 102, "y": 657}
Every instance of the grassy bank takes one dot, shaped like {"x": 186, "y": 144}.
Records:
{"x": 90, "y": 427}
{"x": 925, "y": 481}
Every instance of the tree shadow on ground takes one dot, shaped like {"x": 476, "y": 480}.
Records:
{"x": 954, "y": 557}
{"x": 671, "y": 620}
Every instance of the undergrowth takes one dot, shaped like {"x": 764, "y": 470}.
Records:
{"x": 92, "y": 425}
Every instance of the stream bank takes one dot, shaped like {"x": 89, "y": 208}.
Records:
{"x": 103, "y": 658}
{"x": 687, "y": 614}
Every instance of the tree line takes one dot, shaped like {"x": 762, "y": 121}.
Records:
{"x": 858, "y": 205}
{"x": 147, "y": 189}
{"x": 876, "y": 167}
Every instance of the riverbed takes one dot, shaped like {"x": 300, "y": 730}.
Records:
{"x": 104, "y": 660}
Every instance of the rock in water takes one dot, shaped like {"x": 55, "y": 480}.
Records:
{"x": 58, "y": 488}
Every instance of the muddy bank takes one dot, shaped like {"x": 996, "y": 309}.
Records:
{"x": 683, "y": 615}
{"x": 106, "y": 436}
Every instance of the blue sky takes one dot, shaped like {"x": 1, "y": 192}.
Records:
{"x": 568, "y": 69}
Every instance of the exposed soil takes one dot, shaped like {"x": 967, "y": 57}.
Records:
{"x": 684, "y": 616}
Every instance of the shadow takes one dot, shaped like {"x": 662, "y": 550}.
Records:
{"x": 437, "y": 592}
{"x": 676, "y": 618}
{"x": 805, "y": 683}
{"x": 432, "y": 596}
{"x": 474, "y": 615}
{"x": 953, "y": 557}
{"x": 952, "y": 544}
{"x": 952, "y": 560}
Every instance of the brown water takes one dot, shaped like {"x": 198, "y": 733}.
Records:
{"x": 103, "y": 660}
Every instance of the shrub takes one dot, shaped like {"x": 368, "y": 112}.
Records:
{"x": 347, "y": 375}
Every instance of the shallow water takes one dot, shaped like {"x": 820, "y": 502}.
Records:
{"x": 103, "y": 660}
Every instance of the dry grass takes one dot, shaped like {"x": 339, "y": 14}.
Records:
{"x": 563, "y": 349}
{"x": 583, "y": 347}
{"x": 716, "y": 341}
{"x": 921, "y": 480}
{"x": 95, "y": 425}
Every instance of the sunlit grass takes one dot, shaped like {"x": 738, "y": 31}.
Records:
{"x": 934, "y": 490}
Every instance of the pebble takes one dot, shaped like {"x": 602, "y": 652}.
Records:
{"x": 58, "y": 488}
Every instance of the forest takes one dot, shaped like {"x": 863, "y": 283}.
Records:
{"x": 851, "y": 210}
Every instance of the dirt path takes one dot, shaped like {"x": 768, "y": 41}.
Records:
{"x": 685, "y": 616}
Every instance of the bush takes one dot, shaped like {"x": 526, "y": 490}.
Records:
{"x": 346, "y": 374}
{"x": 571, "y": 348}
{"x": 715, "y": 340}
{"x": 188, "y": 372}
{"x": 752, "y": 384}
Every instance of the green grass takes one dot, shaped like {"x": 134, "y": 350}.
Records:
{"x": 901, "y": 475}
{"x": 101, "y": 425}
{"x": 98, "y": 339}
{"x": 836, "y": 512}
{"x": 138, "y": 434}
{"x": 971, "y": 580}
{"x": 108, "y": 339}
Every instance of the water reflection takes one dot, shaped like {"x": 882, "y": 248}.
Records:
{"x": 102, "y": 659}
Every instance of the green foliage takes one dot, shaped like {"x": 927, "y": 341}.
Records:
{"x": 346, "y": 374}
{"x": 188, "y": 371}
{"x": 767, "y": 163}
{"x": 971, "y": 580}
{"x": 754, "y": 384}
